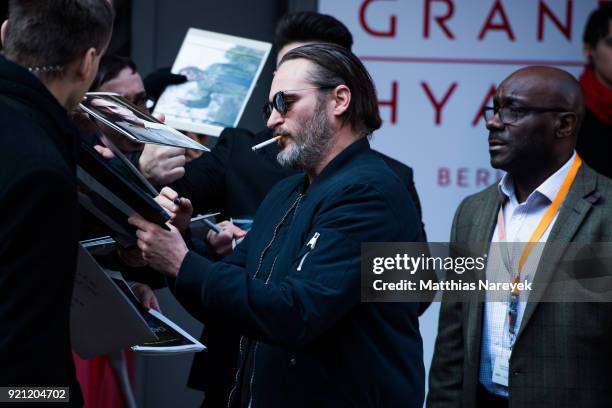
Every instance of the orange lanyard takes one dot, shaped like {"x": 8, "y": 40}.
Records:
{"x": 544, "y": 223}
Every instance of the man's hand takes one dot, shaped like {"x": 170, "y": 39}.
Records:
{"x": 162, "y": 165}
{"x": 104, "y": 151}
{"x": 180, "y": 209}
{"x": 222, "y": 243}
{"x": 132, "y": 257}
{"x": 145, "y": 295}
{"x": 163, "y": 250}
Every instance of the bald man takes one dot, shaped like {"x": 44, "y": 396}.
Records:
{"x": 521, "y": 351}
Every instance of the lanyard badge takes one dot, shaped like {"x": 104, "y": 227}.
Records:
{"x": 543, "y": 225}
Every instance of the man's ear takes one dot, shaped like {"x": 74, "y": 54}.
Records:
{"x": 86, "y": 68}
{"x": 568, "y": 121}
{"x": 341, "y": 97}
{"x": 3, "y": 32}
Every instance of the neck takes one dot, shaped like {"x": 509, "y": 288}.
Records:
{"x": 528, "y": 178}
{"x": 63, "y": 94}
{"x": 343, "y": 139}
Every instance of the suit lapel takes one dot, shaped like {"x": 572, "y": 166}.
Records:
{"x": 571, "y": 215}
{"x": 486, "y": 219}
{"x": 484, "y": 225}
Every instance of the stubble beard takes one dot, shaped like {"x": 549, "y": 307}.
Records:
{"x": 310, "y": 145}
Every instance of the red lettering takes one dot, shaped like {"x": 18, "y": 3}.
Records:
{"x": 482, "y": 177}
{"x": 444, "y": 176}
{"x": 490, "y": 25}
{"x": 468, "y": 177}
{"x": 376, "y": 33}
{"x": 450, "y": 10}
{"x": 462, "y": 177}
{"x": 566, "y": 29}
{"x": 438, "y": 105}
{"x": 483, "y": 105}
{"x": 391, "y": 103}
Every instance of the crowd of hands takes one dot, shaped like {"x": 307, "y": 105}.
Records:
{"x": 165, "y": 250}
{"x": 157, "y": 247}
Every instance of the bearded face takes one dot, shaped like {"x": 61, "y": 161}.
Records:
{"x": 309, "y": 144}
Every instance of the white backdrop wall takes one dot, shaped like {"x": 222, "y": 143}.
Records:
{"x": 435, "y": 64}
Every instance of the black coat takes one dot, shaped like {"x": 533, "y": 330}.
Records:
{"x": 594, "y": 144}
{"x": 38, "y": 233}
{"x": 292, "y": 288}
{"x": 234, "y": 180}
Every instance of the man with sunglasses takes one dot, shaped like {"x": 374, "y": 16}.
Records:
{"x": 292, "y": 287}
{"x": 525, "y": 352}
{"x": 234, "y": 180}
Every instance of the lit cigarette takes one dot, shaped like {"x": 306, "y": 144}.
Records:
{"x": 266, "y": 143}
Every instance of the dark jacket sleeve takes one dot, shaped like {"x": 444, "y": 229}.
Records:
{"x": 417, "y": 202}
{"x": 204, "y": 180}
{"x": 446, "y": 372}
{"x": 406, "y": 175}
{"x": 295, "y": 310}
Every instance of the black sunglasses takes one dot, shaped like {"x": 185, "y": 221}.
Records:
{"x": 282, "y": 100}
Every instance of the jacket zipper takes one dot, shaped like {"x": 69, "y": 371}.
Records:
{"x": 295, "y": 204}
{"x": 311, "y": 244}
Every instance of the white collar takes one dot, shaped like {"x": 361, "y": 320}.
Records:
{"x": 548, "y": 189}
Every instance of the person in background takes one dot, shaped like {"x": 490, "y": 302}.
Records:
{"x": 120, "y": 75}
{"x": 595, "y": 138}
{"x": 52, "y": 49}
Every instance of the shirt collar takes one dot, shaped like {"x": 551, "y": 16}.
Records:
{"x": 343, "y": 158}
{"x": 549, "y": 188}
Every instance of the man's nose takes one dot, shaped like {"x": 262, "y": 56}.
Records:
{"x": 495, "y": 122}
{"x": 275, "y": 119}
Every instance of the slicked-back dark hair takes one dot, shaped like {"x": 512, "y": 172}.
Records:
{"x": 110, "y": 67}
{"x": 45, "y": 35}
{"x": 336, "y": 65}
{"x": 308, "y": 26}
{"x": 598, "y": 25}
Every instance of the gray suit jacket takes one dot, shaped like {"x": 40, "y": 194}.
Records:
{"x": 563, "y": 352}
